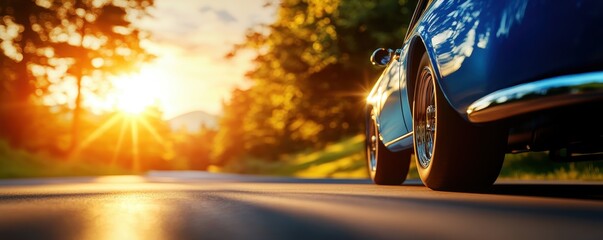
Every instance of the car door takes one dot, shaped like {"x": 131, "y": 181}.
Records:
{"x": 395, "y": 120}
{"x": 391, "y": 120}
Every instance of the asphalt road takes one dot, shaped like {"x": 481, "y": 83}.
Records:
{"x": 197, "y": 205}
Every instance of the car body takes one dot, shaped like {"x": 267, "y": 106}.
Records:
{"x": 512, "y": 76}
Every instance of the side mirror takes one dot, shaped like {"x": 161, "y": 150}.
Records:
{"x": 381, "y": 57}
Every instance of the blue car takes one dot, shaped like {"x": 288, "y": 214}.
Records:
{"x": 477, "y": 79}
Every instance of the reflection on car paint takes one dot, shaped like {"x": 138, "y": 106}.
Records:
{"x": 456, "y": 43}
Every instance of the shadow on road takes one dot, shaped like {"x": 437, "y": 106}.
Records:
{"x": 575, "y": 191}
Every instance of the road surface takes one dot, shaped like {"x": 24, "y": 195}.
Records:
{"x": 198, "y": 205}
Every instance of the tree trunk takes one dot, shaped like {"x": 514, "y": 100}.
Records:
{"x": 17, "y": 109}
{"x": 77, "y": 111}
{"x": 77, "y": 115}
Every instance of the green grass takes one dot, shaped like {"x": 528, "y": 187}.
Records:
{"x": 346, "y": 159}
{"x": 16, "y": 163}
{"x": 537, "y": 166}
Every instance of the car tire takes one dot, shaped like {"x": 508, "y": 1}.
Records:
{"x": 385, "y": 167}
{"x": 451, "y": 153}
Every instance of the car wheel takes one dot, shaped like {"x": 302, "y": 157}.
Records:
{"x": 452, "y": 153}
{"x": 385, "y": 167}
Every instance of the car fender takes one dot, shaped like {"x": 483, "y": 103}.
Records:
{"x": 479, "y": 47}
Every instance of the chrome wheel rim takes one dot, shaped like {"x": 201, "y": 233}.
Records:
{"x": 425, "y": 118}
{"x": 372, "y": 145}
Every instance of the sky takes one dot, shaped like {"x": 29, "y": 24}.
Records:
{"x": 190, "y": 39}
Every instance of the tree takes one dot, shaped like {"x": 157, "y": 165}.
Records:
{"x": 193, "y": 150}
{"x": 20, "y": 45}
{"x": 92, "y": 39}
{"x": 108, "y": 44}
{"x": 311, "y": 75}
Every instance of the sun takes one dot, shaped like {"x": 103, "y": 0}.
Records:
{"x": 135, "y": 93}
{"x": 132, "y": 100}
{"x": 130, "y": 97}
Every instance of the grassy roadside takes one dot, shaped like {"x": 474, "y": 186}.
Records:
{"x": 23, "y": 164}
{"x": 345, "y": 159}
{"x": 537, "y": 166}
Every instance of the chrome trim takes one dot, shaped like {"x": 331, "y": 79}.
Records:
{"x": 397, "y": 139}
{"x": 535, "y": 96}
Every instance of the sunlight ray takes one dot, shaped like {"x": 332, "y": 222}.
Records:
{"x": 152, "y": 130}
{"x": 98, "y": 132}
{"x": 360, "y": 94}
{"x": 135, "y": 152}
{"x": 122, "y": 133}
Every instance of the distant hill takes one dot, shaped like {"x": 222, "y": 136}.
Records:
{"x": 192, "y": 121}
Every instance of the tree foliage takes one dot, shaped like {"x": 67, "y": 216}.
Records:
{"x": 66, "y": 49}
{"x": 310, "y": 77}
{"x": 51, "y": 42}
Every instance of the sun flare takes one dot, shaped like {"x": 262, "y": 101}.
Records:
{"x": 135, "y": 93}
{"x": 131, "y": 96}
{"x": 131, "y": 102}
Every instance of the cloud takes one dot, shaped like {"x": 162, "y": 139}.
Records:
{"x": 190, "y": 38}
{"x": 223, "y": 15}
